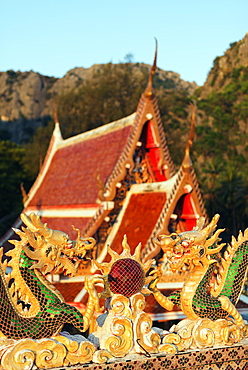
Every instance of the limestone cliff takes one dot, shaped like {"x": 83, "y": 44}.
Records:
{"x": 221, "y": 72}
{"x": 27, "y": 97}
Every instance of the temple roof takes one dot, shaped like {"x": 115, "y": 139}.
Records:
{"x": 80, "y": 165}
{"x": 78, "y": 179}
{"x": 140, "y": 215}
{"x": 78, "y": 182}
{"x": 84, "y": 169}
{"x": 147, "y": 209}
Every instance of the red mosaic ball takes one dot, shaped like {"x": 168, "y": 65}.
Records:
{"x": 126, "y": 277}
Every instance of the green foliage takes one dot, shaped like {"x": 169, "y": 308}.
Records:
{"x": 4, "y": 135}
{"x": 222, "y": 152}
{"x": 167, "y": 84}
{"x": 222, "y": 134}
{"x": 232, "y": 44}
{"x": 35, "y": 150}
{"x": 174, "y": 109}
{"x": 12, "y": 174}
{"x": 225, "y": 191}
{"x": 112, "y": 93}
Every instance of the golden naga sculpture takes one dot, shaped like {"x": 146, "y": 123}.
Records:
{"x": 33, "y": 312}
{"x": 31, "y": 307}
{"x": 212, "y": 288}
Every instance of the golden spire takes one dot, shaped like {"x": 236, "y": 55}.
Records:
{"x": 187, "y": 163}
{"x": 24, "y": 194}
{"x": 149, "y": 88}
{"x": 55, "y": 113}
{"x": 56, "y": 131}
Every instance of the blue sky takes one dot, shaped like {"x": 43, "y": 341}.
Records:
{"x": 54, "y": 36}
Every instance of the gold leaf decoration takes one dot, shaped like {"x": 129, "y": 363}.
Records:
{"x": 168, "y": 348}
{"x": 27, "y": 354}
{"x": 101, "y": 356}
{"x": 121, "y": 342}
{"x": 80, "y": 350}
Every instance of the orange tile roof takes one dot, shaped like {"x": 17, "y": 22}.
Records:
{"x": 64, "y": 224}
{"x": 140, "y": 217}
{"x": 71, "y": 178}
{"x": 69, "y": 290}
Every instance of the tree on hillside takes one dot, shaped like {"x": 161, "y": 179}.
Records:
{"x": 113, "y": 92}
{"x": 224, "y": 124}
{"x": 225, "y": 191}
{"x": 35, "y": 151}
{"x": 231, "y": 198}
{"x": 12, "y": 175}
{"x": 175, "y": 115}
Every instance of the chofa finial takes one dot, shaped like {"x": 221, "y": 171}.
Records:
{"x": 149, "y": 89}
{"x": 55, "y": 113}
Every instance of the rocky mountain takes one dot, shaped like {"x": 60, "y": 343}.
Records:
{"x": 221, "y": 73}
{"x": 220, "y": 149}
{"x": 222, "y": 103}
{"x": 26, "y": 98}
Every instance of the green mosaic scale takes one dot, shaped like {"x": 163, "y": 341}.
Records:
{"x": 53, "y": 313}
{"x": 204, "y": 304}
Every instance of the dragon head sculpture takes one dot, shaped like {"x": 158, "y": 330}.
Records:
{"x": 52, "y": 250}
{"x": 191, "y": 247}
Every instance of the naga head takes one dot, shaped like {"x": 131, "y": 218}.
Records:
{"x": 52, "y": 250}
{"x": 193, "y": 247}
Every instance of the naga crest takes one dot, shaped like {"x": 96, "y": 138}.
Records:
{"x": 191, "y": 247}
{"x": 52, "y": 250}
{"x": 42, "y": 250}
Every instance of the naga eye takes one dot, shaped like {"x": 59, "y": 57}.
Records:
{"x": 173, "y": 236}
{"x": 48, "y": 250}
{"x": 201, "y": 252}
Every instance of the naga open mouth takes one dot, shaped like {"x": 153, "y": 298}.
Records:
{"x": 178, "y": 250}
{"x": 73, "y": 254}
{"x": 67, "y": 265}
